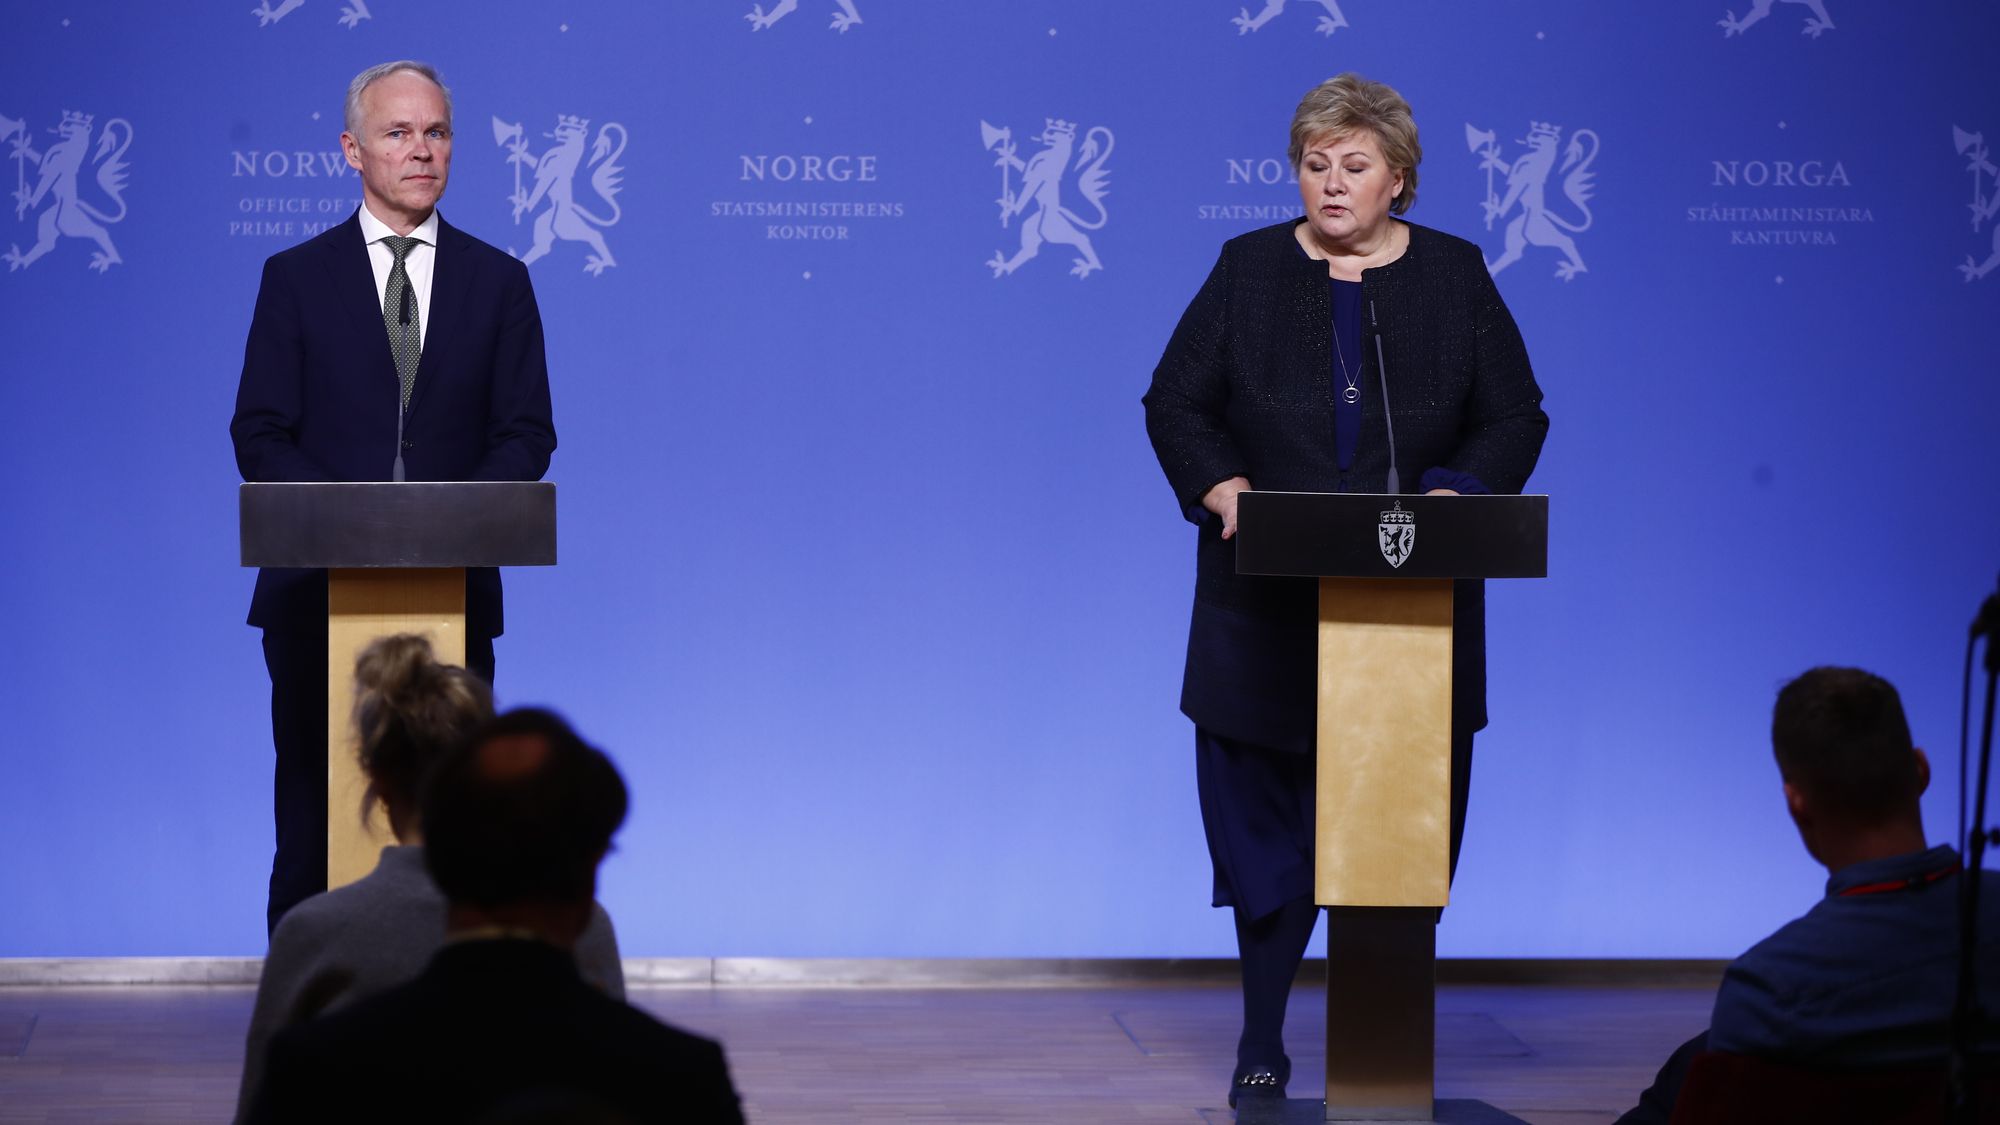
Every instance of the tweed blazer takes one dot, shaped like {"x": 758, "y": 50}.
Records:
{"x": 1244, "y": 389}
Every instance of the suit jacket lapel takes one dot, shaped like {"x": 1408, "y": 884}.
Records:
{"x": 354, "y": 279}
{"x": 448, "y": 283}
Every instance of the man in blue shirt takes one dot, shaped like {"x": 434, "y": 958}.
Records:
{"x": 1866, "y": 978}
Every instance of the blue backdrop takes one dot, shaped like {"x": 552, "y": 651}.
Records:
{"x": 869, "y": 580}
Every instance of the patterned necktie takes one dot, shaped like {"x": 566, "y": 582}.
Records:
{"x": 399, "y": 312}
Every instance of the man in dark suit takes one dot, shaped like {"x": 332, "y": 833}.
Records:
{"x": 514, "y": 828}
{"x": 391, "y": 347}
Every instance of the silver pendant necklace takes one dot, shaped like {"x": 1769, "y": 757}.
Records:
{"x": 1351, "y": 393}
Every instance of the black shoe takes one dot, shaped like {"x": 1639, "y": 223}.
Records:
{"x": 1258, "y": 1082}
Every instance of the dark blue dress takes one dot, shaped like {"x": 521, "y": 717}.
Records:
{"x": 1257, "y": 803}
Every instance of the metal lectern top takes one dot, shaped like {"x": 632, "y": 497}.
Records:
{"x": 1366, "y": 535}
{"x": 401, "y": 524}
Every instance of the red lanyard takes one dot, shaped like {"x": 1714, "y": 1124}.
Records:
{"x": 1909, "y": 884}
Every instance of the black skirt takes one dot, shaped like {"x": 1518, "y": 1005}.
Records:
{"x": 1257, "y": 809}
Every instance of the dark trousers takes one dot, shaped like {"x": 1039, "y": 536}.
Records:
{"x": 296, "y": 659}
{"x": 1257, "y": 808}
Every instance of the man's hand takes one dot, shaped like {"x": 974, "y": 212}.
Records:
{"x": 1442, "y": 492}
{"x": 1222, "y": 501}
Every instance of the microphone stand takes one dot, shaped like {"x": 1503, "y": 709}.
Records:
{"x": 1966, "y": 1016}
{"x": 1382, "y": 371}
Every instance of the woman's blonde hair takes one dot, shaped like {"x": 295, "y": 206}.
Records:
{"x": 1350, "y": 104}
{"x": 409, "y": 711}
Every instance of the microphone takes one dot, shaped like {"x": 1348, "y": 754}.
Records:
{"x": 396, "y": 471}
{"x": 1388, "y": 422}
{"x": 1986, "y": 623}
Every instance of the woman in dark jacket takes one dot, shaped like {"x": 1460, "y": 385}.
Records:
{"x": 1270, "y": 381}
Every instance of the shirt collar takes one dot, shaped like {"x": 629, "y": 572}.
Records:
{"x": 1891, "y": 869}
{"x": 374, "y": 230}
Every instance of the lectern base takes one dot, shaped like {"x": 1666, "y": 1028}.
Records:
{"x": 1306, "y": 1111}
{"x": 1381, "y": 1012}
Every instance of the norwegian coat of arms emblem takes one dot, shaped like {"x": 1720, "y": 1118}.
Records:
{"x": 1041, "y": 187}
{"x": 1397, "y": 535}
{"x": 556, "y": 170}
{"x": 1538, "y": 223}
{"x": 351, "y": 13}
{"x": 1985, "y": 206}
{"x": 760, "y": 19}
{"x": 1329, "y": 23}
{"x": 61, "y": 174}
{"x": 1816, "y": 23}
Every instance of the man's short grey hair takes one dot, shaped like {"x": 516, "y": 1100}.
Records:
{"x": 351, "y": 116}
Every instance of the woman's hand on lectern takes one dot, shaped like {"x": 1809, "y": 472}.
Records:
{"x": 1222, "y": 501}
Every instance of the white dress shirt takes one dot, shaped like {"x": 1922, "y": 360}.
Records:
{"x": 417, "y": 263}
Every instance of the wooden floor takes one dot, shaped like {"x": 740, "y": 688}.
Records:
{"x": 1551, "y": 1055}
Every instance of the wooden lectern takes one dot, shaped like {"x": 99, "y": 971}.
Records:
{"x": 1382, "y": 862}
{"x": 395, "y": 556}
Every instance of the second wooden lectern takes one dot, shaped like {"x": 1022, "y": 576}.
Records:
{"x": 395, "y": 556}
{"x": 1385, "y": 566}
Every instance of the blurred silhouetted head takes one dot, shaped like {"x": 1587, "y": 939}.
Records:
{"x": 1842, "y": 741}
{"x": 522, "y": 815}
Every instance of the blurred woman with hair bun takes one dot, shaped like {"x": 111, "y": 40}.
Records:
{"x": 410, "y": 711}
